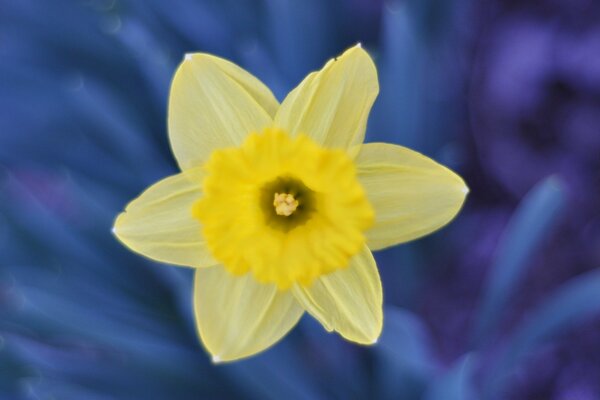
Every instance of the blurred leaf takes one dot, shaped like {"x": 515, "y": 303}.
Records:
{"x": 398, "y": 111}
{"x": 12, "y": 371}
{"x": 299, "y": 50}
{"x": 274, "y": 375}
{"x": 574, "y": 302}
{"x": 405, "y": 360}
{"x": 457, "y": 383}
{"x": 534, "y": 219}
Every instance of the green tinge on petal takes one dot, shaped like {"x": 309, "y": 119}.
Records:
{"x": 159, "y": 223}
{"x": 214, "y": 104}
{"x": 237, "y": 317}
{"x": 332, "y": 105}
{"x": 348, "y": 301}
{"x": 412, "y": 195}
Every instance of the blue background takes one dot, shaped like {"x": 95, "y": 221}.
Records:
{"x": 504, "y": 303}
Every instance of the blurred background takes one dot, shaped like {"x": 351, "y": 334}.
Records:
{"x": 504, "y": 303}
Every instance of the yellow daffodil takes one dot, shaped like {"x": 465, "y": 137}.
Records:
{"x": 278, "y": 206}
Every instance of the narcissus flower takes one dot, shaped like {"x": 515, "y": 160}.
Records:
{"x": 278, "y": 206}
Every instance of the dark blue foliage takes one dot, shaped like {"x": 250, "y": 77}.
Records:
{"x": 535, "y": 217}
{"x": 502, "y": 304}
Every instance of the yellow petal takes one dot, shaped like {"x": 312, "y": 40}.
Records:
{"x": 348, "y": 301}
{"x": 332, "y": 105}
{"x": 237, "y": 317}
{"x": 412, "y": 195}
{"x": 159, "y": 223}
{"x": 213, "y": 104}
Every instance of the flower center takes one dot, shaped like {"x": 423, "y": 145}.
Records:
{"x": 283, "y": 208}
{"x": 285, "y": 204}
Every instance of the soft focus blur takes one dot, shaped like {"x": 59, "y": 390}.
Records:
{"x": 503, "y": 303}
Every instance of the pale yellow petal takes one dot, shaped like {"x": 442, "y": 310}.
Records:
{"x": 332, "y": 105}
{"x": 347, "y": 301}
{"x": 214, "y": 104}
{"x": 237, "y": 317}
{"x": 412, "y": 195}
{"x": 159, "y": 223}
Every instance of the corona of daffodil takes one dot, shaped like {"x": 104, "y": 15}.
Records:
{"x": 278, "y": 206}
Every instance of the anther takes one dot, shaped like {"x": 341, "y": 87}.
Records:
{"x": 285, "y": 204}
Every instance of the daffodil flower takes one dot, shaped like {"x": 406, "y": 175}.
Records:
{"x": 278, "y": 206}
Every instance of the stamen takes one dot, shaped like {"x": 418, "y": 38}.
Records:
{"x": 285, "y": 204}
